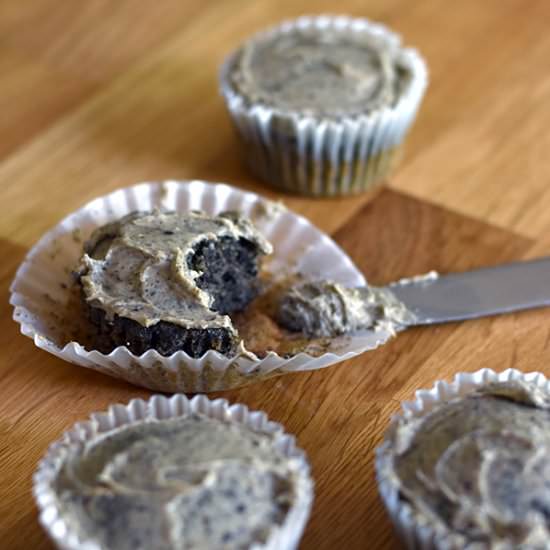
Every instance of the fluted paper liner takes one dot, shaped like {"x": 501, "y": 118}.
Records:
{"x": 415, "y": 532}
{"x": 158, "y": 407}
{"x": 331, "y": 155}
{"x": 41, "y": 288}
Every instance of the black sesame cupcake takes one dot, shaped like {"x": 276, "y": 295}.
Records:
{"x": 168, "y": 281}
{"x": 175, "y": 474}
{"x": 142, "y": 310}
{"x": 467, "y": 465}
{"x": 323, "y": 103}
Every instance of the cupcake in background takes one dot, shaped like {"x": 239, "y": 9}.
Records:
{"x": 323, "y": 103}
{"x": 467, "y": 465}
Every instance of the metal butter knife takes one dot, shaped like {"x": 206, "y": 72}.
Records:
{"x": 472, "y": 294}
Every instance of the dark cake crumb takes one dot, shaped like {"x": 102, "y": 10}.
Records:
{"x": 229, "y": 272}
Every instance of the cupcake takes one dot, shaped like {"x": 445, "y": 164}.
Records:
{"x": 177, "y": 281}
{"x": 167, "y": 280}
{"x": 325, "y": 309}
{"x": 206, "y": 323}
{"x": 323, "y": 103}
{"x": 175, "y": 474}
{"x": 468, "y": 466}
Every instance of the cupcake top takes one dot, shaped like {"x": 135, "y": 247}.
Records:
{"x": 478, "y": 467}
{"x": 321, "y": 71}
{"x": 182, "y": 483}
{"x": 141, "y": 266}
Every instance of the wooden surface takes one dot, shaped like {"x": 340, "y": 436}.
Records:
{"x": 100, "y": 94}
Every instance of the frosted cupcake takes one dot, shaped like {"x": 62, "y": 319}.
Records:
{"x": 148, "y": 476}
{"x": 168, "y": 280}
{"x": 124, "y": 314}
{"x": 323, "y": 104}
{"x": 472, "y": 470}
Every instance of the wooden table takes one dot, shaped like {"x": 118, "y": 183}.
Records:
{"x": 99, "y": 94}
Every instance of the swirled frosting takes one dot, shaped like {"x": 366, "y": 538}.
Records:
{"x": 185, "y": 483}
{"x": 137, "y": 267}
{"x": 478, "y": 467}
{"x": 320, "y": 72}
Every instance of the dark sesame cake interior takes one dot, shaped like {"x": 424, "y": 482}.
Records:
{"x": 229, "y": 272}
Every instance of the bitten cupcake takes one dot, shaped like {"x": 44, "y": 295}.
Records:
{"x": 167, "y": 280}
{"x": 184, "y": 285}
{"x": 472, "y": 470}
{"x": 323, "y": 103}
{"x": 175, "y": 474}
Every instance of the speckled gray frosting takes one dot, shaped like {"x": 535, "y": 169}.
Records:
{"x": 184, "y": 483}
{"x": 137, "y": 267}
{"x": 478, "y": 467}
{"x": 324, "y": 309}
{"x": 318, "y": 72}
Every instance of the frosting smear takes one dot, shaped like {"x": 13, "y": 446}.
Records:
{"x": 324, "y": 309}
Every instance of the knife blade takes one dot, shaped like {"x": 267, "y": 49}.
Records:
{"x": 472, "y": 294}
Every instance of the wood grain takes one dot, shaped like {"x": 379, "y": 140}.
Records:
{"x": 97, "y": 95}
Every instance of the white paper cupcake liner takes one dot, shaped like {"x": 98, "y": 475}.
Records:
{"x": 159, "y": 407}
{"x": 413, "y": 530}
{"x": 325, "y": 157}
{"x": 41, "y": 288}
